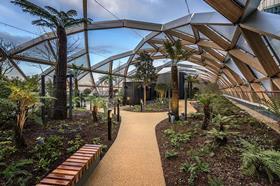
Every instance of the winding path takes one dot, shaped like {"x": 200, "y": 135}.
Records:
{"x": 133, "y": 159}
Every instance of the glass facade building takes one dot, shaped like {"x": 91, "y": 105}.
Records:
{"x": 271, "y": 6}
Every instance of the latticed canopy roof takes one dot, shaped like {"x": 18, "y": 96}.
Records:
{"x": 237, "y": 47}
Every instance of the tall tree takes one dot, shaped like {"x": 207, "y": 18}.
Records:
{"x": 145, "y": 71}
{"x": 59, "y": 21}
{"x": 176, "y": 52}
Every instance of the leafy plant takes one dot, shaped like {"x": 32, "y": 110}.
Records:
{"x": 97, "y": 103}
{"x": 7, "y": 111}
{"x": 97, "y": 141}
{"x": 48, "y": 152}
{"x": 161, "y": 88}
{"x": 194, "y": 169}
{"x": 256, "y": 160}
{"x": 26, "y": 101}
{"x": 171, "y": 154}
{"x": 7, "y": 148}
{"x": 75, "y": 144}
{"x": 177, "y": 138}
{"x": 197, "y": 115}
{"x": 206, "y": 100}
{"x": 16, "y": 173}
{"x": 214, "y": 181}
{"x": 220, "y": 136}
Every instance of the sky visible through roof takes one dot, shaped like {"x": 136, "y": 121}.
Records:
{"x": 102, "y": 43}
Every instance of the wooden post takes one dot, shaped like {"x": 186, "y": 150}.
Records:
{"x": 43, "y": 101}
{"x": 118, "y": 111}
{"x": 109, "y": 125}
{"x": 70, "y": 96}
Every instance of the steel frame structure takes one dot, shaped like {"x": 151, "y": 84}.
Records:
{"x": 235, "y": 46}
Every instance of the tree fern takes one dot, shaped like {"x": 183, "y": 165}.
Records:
{"x": 256, "y": 160}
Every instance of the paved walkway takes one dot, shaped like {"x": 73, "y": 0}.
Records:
{"x": 133, "y": 159}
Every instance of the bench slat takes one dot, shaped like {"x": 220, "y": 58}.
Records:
{"x": 55, "y": 182}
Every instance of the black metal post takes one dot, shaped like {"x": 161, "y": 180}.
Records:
{"x": 118, "y": 111}
{"x": 109, "y": 125}
{"x": 70, "y": 96}
{"x": 43, "y": 101}
{"x": 115, "y": 108}
{"x": 186, "y": 103}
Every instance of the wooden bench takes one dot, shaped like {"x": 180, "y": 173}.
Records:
{"x": 70, "y": 172}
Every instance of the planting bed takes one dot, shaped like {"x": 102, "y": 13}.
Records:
{"x": 185, "y": 143}
{"x": 48, "y": 146}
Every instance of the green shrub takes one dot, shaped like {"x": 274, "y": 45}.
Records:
{"x": 194, "y": 169}
{"x": 7, "y": 111}
{"x": 97, "y": 141}
{"x": 177, "y": 138}
{"x": 197, "y": 115}
{"x": 16, "y": 173}
{"x": 203, "y": 151}
{"x": 75, "y": 144}
{"x": 48, "y": 152}
{"x": 214, "y": 181}
{"x": 7, "y": 148}
{"x": 220, "y": 136}
{"x": 5, "y": 90}
{"x": 171, "y": 154}
{"x": 256, "y": 161}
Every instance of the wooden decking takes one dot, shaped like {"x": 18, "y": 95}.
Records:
{"x": 71, "y": 171}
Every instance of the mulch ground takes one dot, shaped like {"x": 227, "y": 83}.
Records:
{"x": 225, "y": 161}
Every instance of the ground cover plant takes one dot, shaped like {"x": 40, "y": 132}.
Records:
{"x": 159, "y": 105}
{"x": 235, "y": 149}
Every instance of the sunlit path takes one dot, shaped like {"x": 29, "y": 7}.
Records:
{"x": 134, "y": 157}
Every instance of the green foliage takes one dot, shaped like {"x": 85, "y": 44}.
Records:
{"x": 161, "y": 88}
{"x": 7, "y": 148}
{"x": 145, "y": 70}
{"x": 48, "y": 152}
{"x": 197, "y": 115}
{"x": 220, "y": 120}
{"x": 203, "y": 151}
{"x": 194, "y": 169}
{"x": 75, "y": 144}
{"x": 7, "y": 111}
{"x": 177, "y": 138}
{"x": 16, "y": 173}
{"x": 206, "y": 99}
{"x": 171, "y": 154}
{"x": 220, "y": 136}
{"x": 176, "y": 52}
{"x": 256, "y": 160}
{"x": 97, "y": 141}
{"x": 5, "y": 90}
{"x": 214, "y": 181}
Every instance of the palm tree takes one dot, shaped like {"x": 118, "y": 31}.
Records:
{"x": 206, "y": 100}
{"x": 176, "y": 52}
{"x": 145, "y": 71}
{"x": 56, "y": 20}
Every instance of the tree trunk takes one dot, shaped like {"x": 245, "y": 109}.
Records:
{"x": 191, "y": 93}
{"x": 19, "y": 139}
{"x": 60, "y": 104}
{"x": 94, "y": 113}
{"x": 175, "y": 92}
{"x": 76, "y": 92}
{"x": 145, "y": 95}
{"x": 207, "y": 115}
